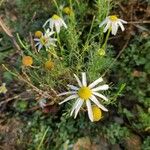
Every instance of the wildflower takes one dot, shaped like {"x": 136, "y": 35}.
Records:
{"x": 45, "y": 40}
{"x": 113, "y": 22}
{"x": 67, "y": 10}
{"x": 86, "y": 94}
{"x": 49, "y": 65}
{"x": 27, "y": 60}
{"x": 38, "y": 34}
{"x": 97, "y": 113}
{"x": 3, "y": 88}
{"x": 42, "y": 103}
{"x": 55, "y": 22}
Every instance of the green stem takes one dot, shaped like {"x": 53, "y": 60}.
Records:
{"x": 57, "y": 7}
{"x": 20, "y": 41}
{"x": 106, "y": 39}
{"x": 41, "y": 142}
{"x": 61, "y": 48}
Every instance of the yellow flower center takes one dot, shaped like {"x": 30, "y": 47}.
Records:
{"x": 113, "y": 18}
{"x": 56, "y": 17}
{"x": 84, "y": 93}
{"x": 38, "y": 34}
{"x": 67, "y": 10}
{"x": 97, "y": 113}
{"x": 27, "y": 60}
{"x": 49, "y": 65}
{"x": 43, "y": 40}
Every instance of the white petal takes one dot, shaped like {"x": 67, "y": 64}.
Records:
{"x": 93, "y": 84}
{"x": 69, "y": 98}
{"x": 114, "y": 28}
{"x": 66, "y": 93}
{"x": 64, "y": 24}
{"x": 94, "y": 99}
{"x": 103, "y": 22}
{"x": 49, "y": 33}
{"x": 78, "y": 106}
{"x": 84, "y": 79}
{"x": 78, "y": 80}
{"x": 102, "y": 87}
{"x": 73, "y": 87}
{"x": 123, "y": 21}
{"x": 100, "y": 95}
{"x": 36, "y": 39}
{"x": 37, "y": 44}
{"x": 89, "y": 108}
{"x": 51, "y": 24}
{"x": 57, "y": 26}
{"x": 74, "y": 106}
{"x": 39, "y": 47}
{"x": 46, "y": 23}
{"x": 121, "y": 26}
{"x": 107, "y": 26}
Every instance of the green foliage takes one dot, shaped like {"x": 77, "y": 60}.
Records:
{"x": 115, "y": 133}
{"x": 137, "y": 58}
{"x": 146, "y": 144}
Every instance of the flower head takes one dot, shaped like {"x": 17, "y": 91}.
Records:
{"x": 27, "y": 60}
{"x": 113, "y": 22}
{"x": 97, "y": 113}
{"x": 38, "y": 34}
{"x": 49, "y": 65}
{"x": 45, "y": 40}
{"x": 67, "y": 10}
{"x": 3, "y": 88}
{"x": 85, "y": 93}
{"x": 55, "y": 22}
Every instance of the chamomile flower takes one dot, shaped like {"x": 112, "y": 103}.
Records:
{"x": 113, "y": 22}
{"x": 85, "y": 94}
{"x": 45, "y": 40}
{"x": 55, "y": 22}
{"x": 3, "y": 88}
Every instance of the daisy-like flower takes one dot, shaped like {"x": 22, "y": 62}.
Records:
{"x": 45, "y": 40}
{"x": 3, "y": 88}
{"x": 113, "y": 22}
{"x": 55, "y": 22}
{"x": 85, "y": 93}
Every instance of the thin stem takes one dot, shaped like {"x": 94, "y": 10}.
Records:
{"x": 20, "y": 41}
{"x": 41, "y": 142}
{"x": 57, "y": 7}
{"x": 106, "y": 39}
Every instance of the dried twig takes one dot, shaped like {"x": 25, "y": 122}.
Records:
{"x": 8, "y": 32}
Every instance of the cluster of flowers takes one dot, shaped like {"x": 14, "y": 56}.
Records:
{"x": 83, "y": 93}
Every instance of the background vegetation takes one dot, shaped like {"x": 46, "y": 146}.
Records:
{"x": 24, "y": 125}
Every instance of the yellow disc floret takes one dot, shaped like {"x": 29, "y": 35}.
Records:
{"x": 113, "y": 18}
{"x": 97, "y": 113}
{"x": 43, "y": 40}
{"x": 27, "y": 60}
{"x": 67, "y": 10}
{"x": 56, "y": 17}
{"x": 84, "y": 93}
{"x": 49, "y": 65}
{"x": 38, "y": 34}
